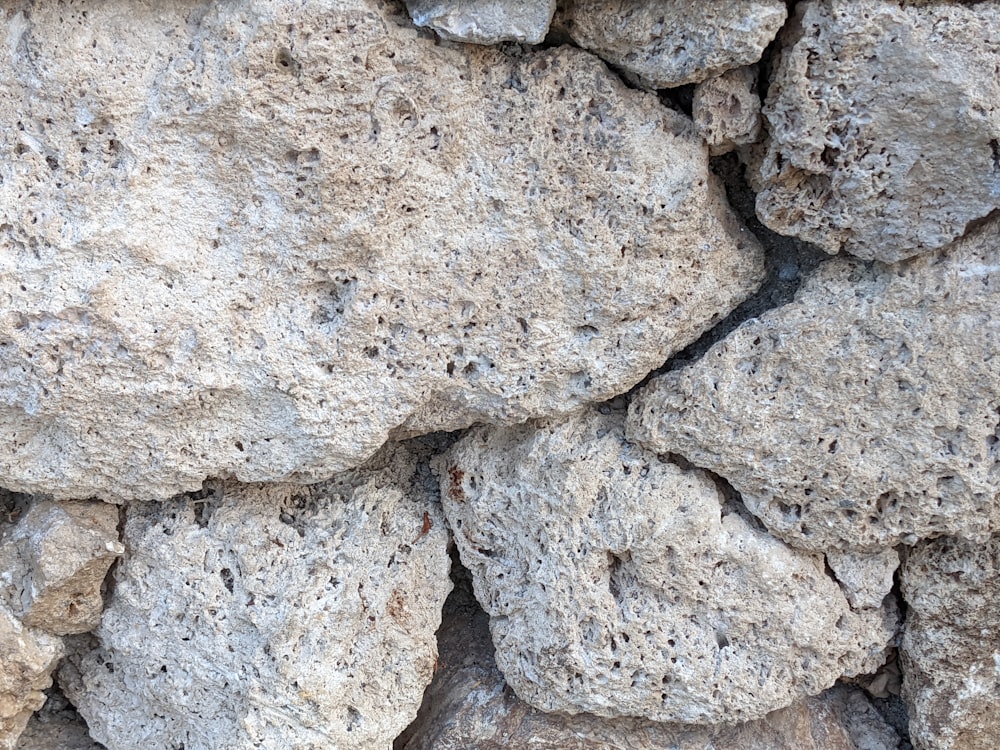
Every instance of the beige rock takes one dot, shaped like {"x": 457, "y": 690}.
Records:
{"x": 484, "y": 21}
{"x": 469, "y": 707}
{"x": 622, "y": 585}
{"x": 672, "y": 42}
{"x": 726, "y": 110}
{"x": 862, "y": 415}
{"x": 270, "y": 616}
{"x": 281, "y": 232}
{"x": 883, "y": 124}
{"x": 951, "y": 644}
{"x": 53, "y": 562}
{"x": 27, "y": 658}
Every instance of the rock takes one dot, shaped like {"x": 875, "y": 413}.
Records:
{"x": 620, "y": 584}
{"x": 57, "y": 726}
{"x": 883, "y": 126}
{"x": 469, "y": 707}
{"x": 270, "y": 616}
{"x": 951, "y": 644}
{"x": 53, "y": 562}
{"x": 27, "y": 658}
{"x": 669, "y": 43}
{"x": 282, "y": 233}
{"x": 484, "y": 21}
{"x": 864, "y": 414}
{"x": 866, "y": 578}
{"x": 726, "y": 110}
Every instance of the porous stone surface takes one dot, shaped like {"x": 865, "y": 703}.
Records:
{"x": 726, "y": 110}
{"x": 57, "y": 726}
{"x": 484, "y": 21}
{"x": 282, "y": 232}
{"x": 866, "y": 578}
{"x": 270, "y": 616}
{"x": 883, "y": 124}
{"x": 951, "y": 644}
{"x": 468, "y": 706}
{"x": 53, "y": 562}
{"x": 864, "y": 414}
{"x": 669, "y": 43}
{"x": 27, "y": 658}
{"x": 620, "y": 584}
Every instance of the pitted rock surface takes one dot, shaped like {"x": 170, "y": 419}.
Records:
{"x": 864, "y": 414}
{"x": 951, "y": 644}
{"x": 262, "y": 247}
{"x": 726, "y": 110}
{"x": 27, "y": 658}
{"x": 484, "y": 21}
{"x": 884, "y": 125}
{"x": 270, "y": 616}
{"x": 622, "y": 585}
{"x": 669, "y": 43}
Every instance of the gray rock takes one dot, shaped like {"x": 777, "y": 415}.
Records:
{"x": 484, "y": 21}
{"x": 53, "y": 562}
{"x": 726, "y": 110}
{"x": 862, "y": 415}
{"x": 27, "y": 658}
{"x": 469, "y": 707}
{"x": 281, "y": 233}
{"x": 668, "y": 43}
{"x": 951, "y": 644}
{"x": 622, "y": 585}
{"x": 270, "y": 616}
{"x": 57, "y": 726}
{"x": 883, "y": 126}
{"x": 866, "y": 578}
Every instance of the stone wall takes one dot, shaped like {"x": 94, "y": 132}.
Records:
{"x": 485, "y": 374}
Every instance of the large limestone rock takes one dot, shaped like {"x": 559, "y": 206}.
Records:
{"x": 864, "y": 414}
{"x": 468, "y": 706}
{"x": 270, "y": 616}
{"x": 668, "y": 43}
{"x": 27, "y": 658}
{"x": 884, "y": 127}
{"x": 256, "y": 239}
{"x": 53, "y": 562}
{"x": 484, "y": 21}
{"x": 622, "y": 585}
{"x": 951, "y": 644}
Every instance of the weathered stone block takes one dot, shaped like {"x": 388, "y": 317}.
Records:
{"x": 484, "y": 21}
{"x": 27, "y": 658}
{"x": 726, "y": 110}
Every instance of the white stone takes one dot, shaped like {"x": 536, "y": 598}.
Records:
{"x": 282, "y": 233}
{"x": 622, "y": 585}
{"x": 668, "y": 43}
{"x": 270, "y": 616}
{"x": 884, "y": 126}
{"x": 860, "y": 416}
{"x": 484, "y": 21}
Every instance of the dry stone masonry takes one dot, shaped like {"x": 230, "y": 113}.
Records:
{"x": 312, "y": 312}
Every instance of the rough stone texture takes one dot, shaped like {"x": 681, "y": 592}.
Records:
{"x": 884, "y": 126}
{"x": 469, "y": 707}
{"x": 668, "y": 43}
{"x": 622, "y": 585}
{"x": 726, "y": 110}
{"x": 484, "y": 21}
{"x": 270, "y": 616}
{"x": 951, "y": 644}
{"x": 57, "y": 726}
{"x": 27, "y": 658}
{"x": 866, "y": 578}
{"x": 864, "y": 414}
{"x": 53, "y": 562}
{"x": 281, "y": 232}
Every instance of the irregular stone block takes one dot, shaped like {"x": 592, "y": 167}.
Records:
{"x": 270, "y": 616}
{"x": 27, "y": 658}
{"x": 669, "y": 43}
{"x": 484, "y": 21}
{"x": 468, "y": 706}
{"x": 951, "y": 644}
{"x": 866, "y": 578}
{"x": 53, "y": 562}
{"x": 726, "y": 110}
{"x": 883, "y": 126}
{"x": 283, "y": 232}
{"x": 622, "y": 585}
{"x": 864, "y": 414}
